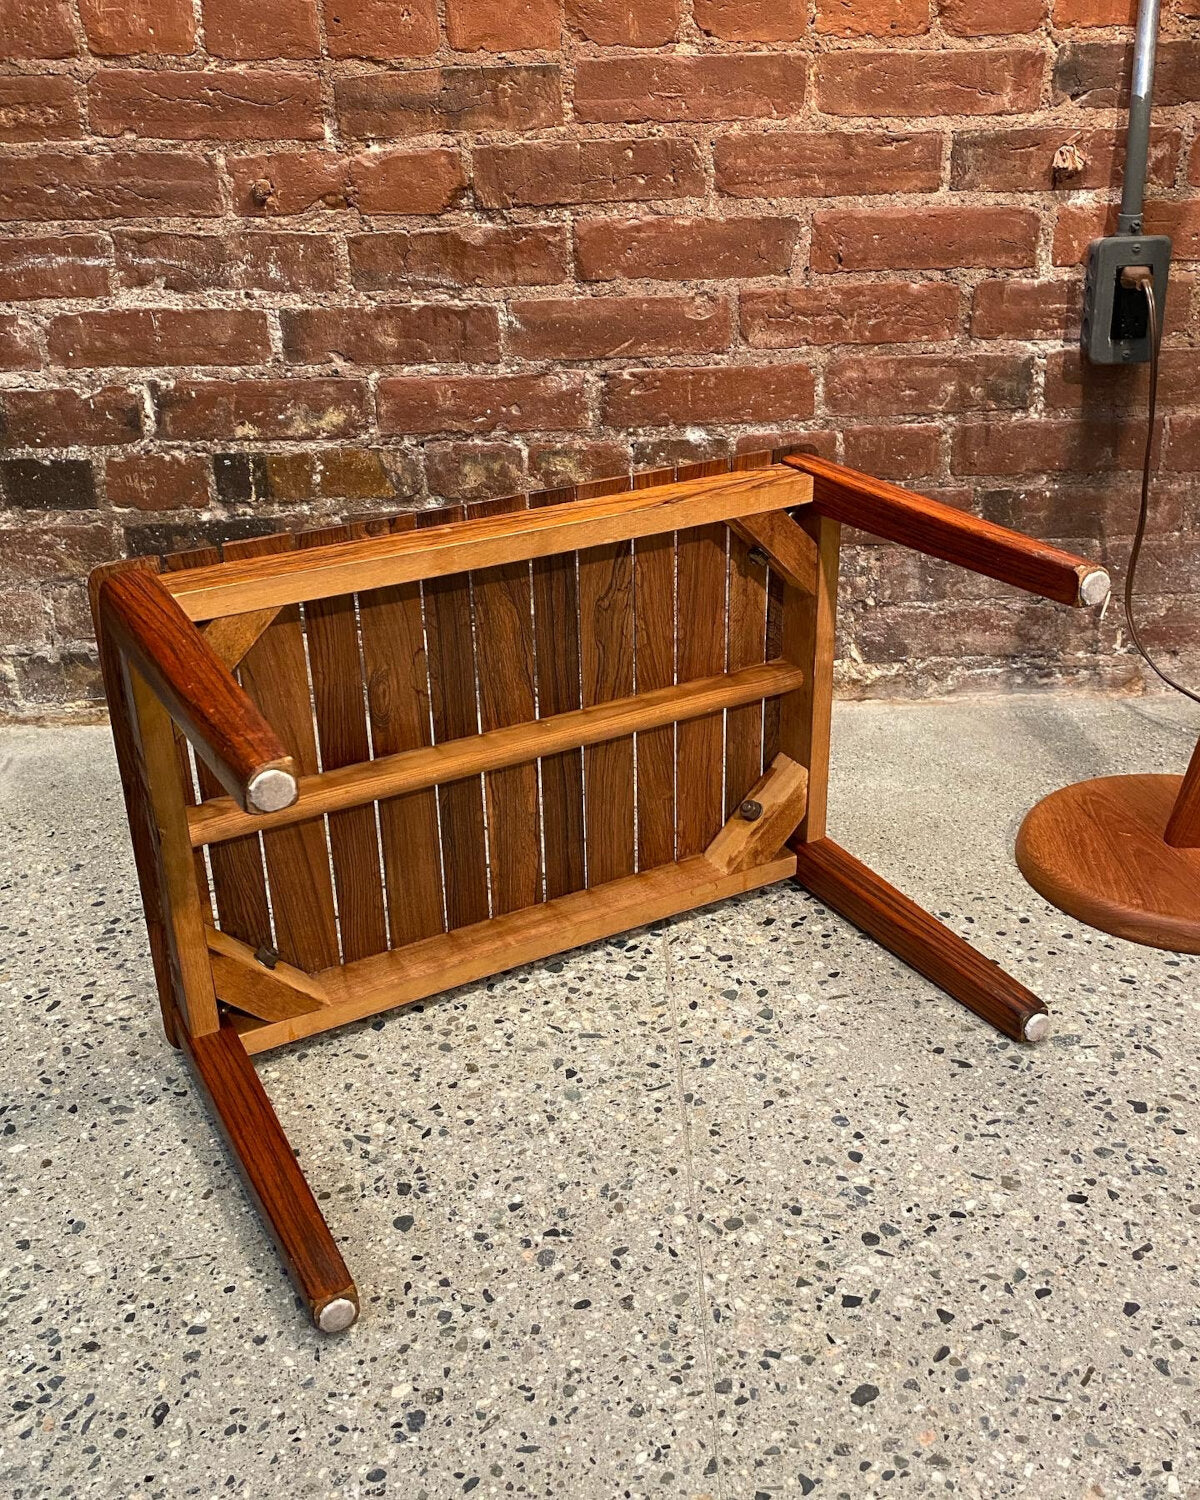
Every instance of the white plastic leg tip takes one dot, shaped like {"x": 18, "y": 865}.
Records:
{"x": 272, "y": 790}
{"x": 1037, "y": 1028}
{"x": 337, "y": 1315}
{"x": 1095, "y": 587}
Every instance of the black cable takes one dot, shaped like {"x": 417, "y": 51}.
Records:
{"x": 1135, "y": 553}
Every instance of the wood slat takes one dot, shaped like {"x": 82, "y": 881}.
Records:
{"x": 340, "y": 711}
{"x": 747, "y": 645}
{"x": 808, "y": 627}
{"x": 606, "y": 665}
{"x": 654, "y": 659}
{"x": 455, "y": 714}
{"x": 270, "y": 994}
{"x": 275, "y": 674}
{"x": 504, "y": 652}
{"x": 393, "y": 644}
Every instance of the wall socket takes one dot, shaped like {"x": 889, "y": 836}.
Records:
{"x": 1116, "y": 322}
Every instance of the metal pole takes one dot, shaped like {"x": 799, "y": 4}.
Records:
{"x": 1137, "y": 151}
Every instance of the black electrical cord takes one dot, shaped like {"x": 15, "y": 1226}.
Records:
{"x": 1147, "y": 285}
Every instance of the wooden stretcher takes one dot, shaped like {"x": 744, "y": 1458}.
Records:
{"x": 367, "y": 764}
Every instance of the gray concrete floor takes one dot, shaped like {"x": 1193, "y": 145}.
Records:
{"x": 733, "y": 1207}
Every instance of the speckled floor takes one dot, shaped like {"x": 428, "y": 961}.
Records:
{"x": 735, "y": 1207}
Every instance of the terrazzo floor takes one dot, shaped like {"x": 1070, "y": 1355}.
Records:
{"x": 734, "y": 1207}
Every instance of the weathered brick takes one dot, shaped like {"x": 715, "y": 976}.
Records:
{"x": 753, "y": 20}
{"x": 1078, "y": 225}
{"x": 873, "y": 17}
{"x": 24, "y": 616}
{"x": 1095, "y": 12}
{"x": 923, "y": 238}
{"x": 1183, "y": 444}
{"x": 986, "y": 18}
{"x": 541, "y": 173}
{"x": 39, "y": 109}
{"x": 63, "y": 418}
{"x": 125, "y": 28}
{"x": 55, "y": 551}
{"x": 871, "y": 313}
{"x": 1074, "y": 382}
{"x": 379, "y": 28}
{"x": 1022, "y": 159}
{"x": 375, "y": 182}
{"x": 516, "y": 97}
{"x": 485, "y": 255}
{"x": 1035, "y": 445}
{"x": 482, "y": 25}
{"x": 474, "y": 471}
{"x": 734, "y": 393}
{"x": 827, "y": 164}
{"x": 554, "y": 466}
{"x": 18, "y": 347}
{"x": 1096, "y": 75}
{"x": 607, "y": 327}
{"x": 58, "y": 265}
{"x": 482, "y": 403}
{"x": 158, "y": 481}
{"x": 1007, "y": 309}
{"x": 418, "y": 334}
{"x": 1071, "y": 507}
{"x": 898, "y": 452}
{"x": 160, "y": 538}
{"x": 47, "y": 483}
{"x": 159, "y": 336}
{"x": 223, "y": 105}
{"x": 60, "y": 679}
{"x": 625, "y": 23}
{"x": 729, "y": 86}
{"x": 898, "y": 384}
{"x": 684, "y": 248}
{"x": 176, "y": 262}
{"x": 269, "y": 28}
{"x": 339, "y": 474}
{"x": 117, "y": 185}
{"x": 1194, "y": 169}
{"x": 37, "y": 28}
{"x": 256, "y": 409}
{"x": 1000, "y": 81}
{"x": 665, "y": 452}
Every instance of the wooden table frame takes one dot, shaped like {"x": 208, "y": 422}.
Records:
{"x": 334, "y": 748}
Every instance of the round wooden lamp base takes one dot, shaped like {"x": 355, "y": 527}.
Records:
{"x": 1096, "y": 850}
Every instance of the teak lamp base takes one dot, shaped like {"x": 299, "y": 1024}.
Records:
{"x": 1097, "y": 851}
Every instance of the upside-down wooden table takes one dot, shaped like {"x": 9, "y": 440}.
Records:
{"x": 427, "y": 750}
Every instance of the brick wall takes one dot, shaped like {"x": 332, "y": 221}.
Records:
{"x": 274, "y": 262}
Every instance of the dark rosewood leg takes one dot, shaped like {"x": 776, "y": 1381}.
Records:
{"x": 240, "y": 1106}
{"x": 926, "y": 944}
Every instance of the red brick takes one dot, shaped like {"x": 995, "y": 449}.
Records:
{"x": 1004, "y": 81}
{"x": 1073, "y": 382}
{"x": 482, "y": 403}
{"x": 871, "y": 313}
{"x": 1027, "y": 309}
{"x": 263, "y": 261}
{"x": 268, "y": 28}
{"x": 380, "y": 28}
{"x": 923, "y": 238}
{"x": 1095, "y": 12}
{"x": 726, "y": 86}
{"x": 64, "y": 418}
{"x": 1022, "y": 160}
{"x": 274, "y": 184}
{"x": 682, "y": 249}
{"x": 827, "y": 164}
{"x": 665, "y": 452}
{"x": 58, "y": 265}
{"x": 554, "y": 466}
{"x": 1096, "y": 75}
{"x": 48, "y": 483}
{"x": 1194, "y": 170}
{"x": 125, "y": 28}
{"x": 159, "y": 336}
{"x": 340, "y": 474}
{"x": 892, "y": 452}
{"x": 823, "y": 443}
{"x": 753, "y": 20}
{"x": 1079, "y": 224}
{"x": 542, "y": 173}
{"x": 18, "y": 350}
{"x": 476, "y": 255}
{"x": 516, "y": 97}
{"x": 1183, "y": 445}
{"x": 873, "y": 17}
{"x": 610, "y": 327}
{"x": 420, "y": 334}
{"x": 248, "y": 409}
{"x": 56, "y": 551}
{"x": 474, "y": 471}
{"x": 223, "y": 105}
{"x": 897, "y": 384}
{"x": 158, "y": 481}
{"x": 986, "y": 18}
{"x": 37, "y": 28}
{"x": 482, "y": 25}
{"x": 625, "y": 23}
{"x": 735, "y": 393}
{"x": 1035, "y": 445}
{"x": 38, "y": 109}
{"x": 117, "y": 185}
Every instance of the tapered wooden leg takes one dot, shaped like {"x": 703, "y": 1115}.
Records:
{"x": 924, "y": 943}
{"x": 242, "y": 1111}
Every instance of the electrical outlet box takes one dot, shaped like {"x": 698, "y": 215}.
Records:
{"x": 1116, "y": 322}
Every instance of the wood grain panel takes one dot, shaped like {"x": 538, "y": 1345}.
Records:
{"x": 747, "y": 645}
{"x": 654, "y": 666}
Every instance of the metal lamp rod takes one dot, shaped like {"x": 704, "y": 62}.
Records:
{"x": 1137, "y": 150}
